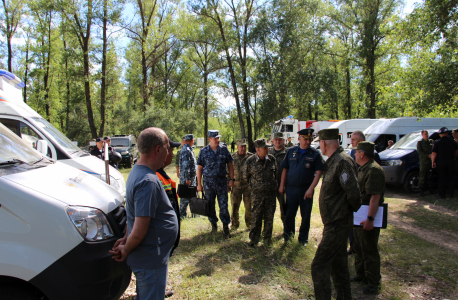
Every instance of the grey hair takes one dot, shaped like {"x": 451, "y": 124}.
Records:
{"x": 360, "y": 134}
{"x": 332, "y": 143}
{"x": 150, "y": 138}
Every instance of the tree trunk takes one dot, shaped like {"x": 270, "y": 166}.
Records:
{"x": 205, "y": 105}
{"x": 26, "y": 72}
{"x": 10, "y": 54}
{"x": 144, "y": 79}
{"x": 103, "y": 86}
{"x": 348, "y": 89}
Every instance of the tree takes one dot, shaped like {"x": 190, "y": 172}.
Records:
{"x": 9, "y": 22}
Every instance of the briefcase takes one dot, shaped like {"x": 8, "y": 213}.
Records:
{"x": 186, "y": 191}
{"x": 200, "y": 206}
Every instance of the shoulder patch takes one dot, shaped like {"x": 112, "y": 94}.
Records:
{"x": 344, "y": 177}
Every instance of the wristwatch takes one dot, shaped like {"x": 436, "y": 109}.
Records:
{"x": 233, "y": 179}
{"x": 370, "y": 218}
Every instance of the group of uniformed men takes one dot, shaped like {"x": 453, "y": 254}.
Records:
{"x": 290, "y": 176}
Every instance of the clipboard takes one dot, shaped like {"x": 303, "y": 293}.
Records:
{"x": 380, "y": 220}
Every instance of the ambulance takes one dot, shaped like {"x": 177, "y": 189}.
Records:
{"x": 31, "y": 127}
{"x": 57, "y": 224}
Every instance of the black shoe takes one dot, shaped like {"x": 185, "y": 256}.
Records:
{"x": 226, "y": 232}
{"x": 357, "y": 279}
{"x": 168, "y": 294}
{"x": 251, "y": 244}
{"x": 432, "y": 192}
{"x": 303, "y": 243}
{"x": 214, "y": 228}
{"x": 370, "y": 290}
{"x": 350, "y": 251}
{"x": 442, "y": 197}
{"x": 422, "y": 194}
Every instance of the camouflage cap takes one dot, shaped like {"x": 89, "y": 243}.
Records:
{"x": 328, "y": 134}
{"x": 241, "y": 142}
{"x": 278, "y": 135}
{"x": 188, "y": 137}
{"x": 366, "y": 146}
{"x": 260, "y": 143}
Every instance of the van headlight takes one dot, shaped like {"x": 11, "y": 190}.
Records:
{"x": 90, "y": 222}
{"x": 124, "y": 153}
{"x": 113, "y": 182}
{"x": 394, "y": 162}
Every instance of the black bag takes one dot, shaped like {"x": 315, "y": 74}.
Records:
{"x": 200, "y": 206}
{"x": 186, "y": 191}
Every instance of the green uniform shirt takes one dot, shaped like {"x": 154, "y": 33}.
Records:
{"x": 339, "y": 194}
{"x": 279, "y": 156}
{"x": 290, "y": 144}
{"x": 239, "y": 163}
{"x": 260, "y": 173}
{"x": 424, "y": 149}
{"x": 371, "y": 181}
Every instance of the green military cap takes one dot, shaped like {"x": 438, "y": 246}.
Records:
{"x": 241, "y": 142}
{"x": 328, "y": 134}
{"x": 260, "y": 143}
{"x": 278, "y": 135}
{"x": 188, "y": 137}
{"x": 366, "y": 146}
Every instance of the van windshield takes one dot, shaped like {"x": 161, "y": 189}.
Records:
{"x": 13, "y": 148}
{"x": 409, "y": 141}
{"x": 57, "y": 136}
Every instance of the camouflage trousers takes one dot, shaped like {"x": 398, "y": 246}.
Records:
{"x": 331, "y": 260}
{"x": 424, "y": 170}
{"x": 184, "y": 206}
{"x": 281, "y": 203}
{"x": 236, "y": 199}
{"x": 263, "y": 209}
{"x": 217, "y": 188}
{"x": 367, "y": 259}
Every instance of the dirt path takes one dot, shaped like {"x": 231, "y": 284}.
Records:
{"x": 443, "y": 238}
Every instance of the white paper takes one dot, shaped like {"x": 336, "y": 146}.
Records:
{"x": 363, "y": 212}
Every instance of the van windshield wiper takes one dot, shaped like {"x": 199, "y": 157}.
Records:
{"x": 12, "y": 161}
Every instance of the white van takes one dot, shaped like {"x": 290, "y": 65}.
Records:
{"x": 31, "y": 127}
{"x": 347, "y": 127}
{"x": 57, "y": 225}
{"x": 394, "y": 129}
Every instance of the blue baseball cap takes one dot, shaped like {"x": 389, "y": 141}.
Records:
{"x": 213, "y": 134}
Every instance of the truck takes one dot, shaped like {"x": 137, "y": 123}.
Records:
{"x": 290, "y": 126}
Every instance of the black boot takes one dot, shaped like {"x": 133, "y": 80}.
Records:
{"x": 226, "y": 232}
{"x": 422, "y": 192}
{"x": 214, "y": 228}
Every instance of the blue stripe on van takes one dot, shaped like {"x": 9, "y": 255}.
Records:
{"x": 89, "y": 172}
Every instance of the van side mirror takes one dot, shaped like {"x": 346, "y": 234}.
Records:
{"x": 42, "y": 147}
{"x": 133, "y": 145}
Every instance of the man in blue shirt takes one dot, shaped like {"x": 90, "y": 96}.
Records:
{"x": 212, "y": 163}
{"x": 188, "y": 169}
{"x": 302, "y": 168}
{"x": 152, "y": 222}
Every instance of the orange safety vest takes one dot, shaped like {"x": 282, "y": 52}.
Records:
{"x": 168, "y": 184}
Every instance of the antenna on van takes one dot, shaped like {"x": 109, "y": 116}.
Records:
{"x": 107, "y": 163}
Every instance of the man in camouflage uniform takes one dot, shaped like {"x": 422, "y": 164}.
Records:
{"x": 211, "y": 163}
{"x": 371, "y": 181}
{"x": 240, "y": 188}
{"x": 279, "y": 152}
{"x": 424, "y": 149}
{"x": 188, "y": 169}
{"x": 290, "y": 143}
{"x": 260, "y": 174}
{"x": 177, "y": 159}
{"x": 339, "y": 198}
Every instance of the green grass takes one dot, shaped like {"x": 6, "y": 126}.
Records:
{"x": 211, "y": 267}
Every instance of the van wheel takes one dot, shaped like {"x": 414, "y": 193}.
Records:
{"x": 131, "y": 162}
{"x": 15, "y": 293}
{"x": 412, "y": 183}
